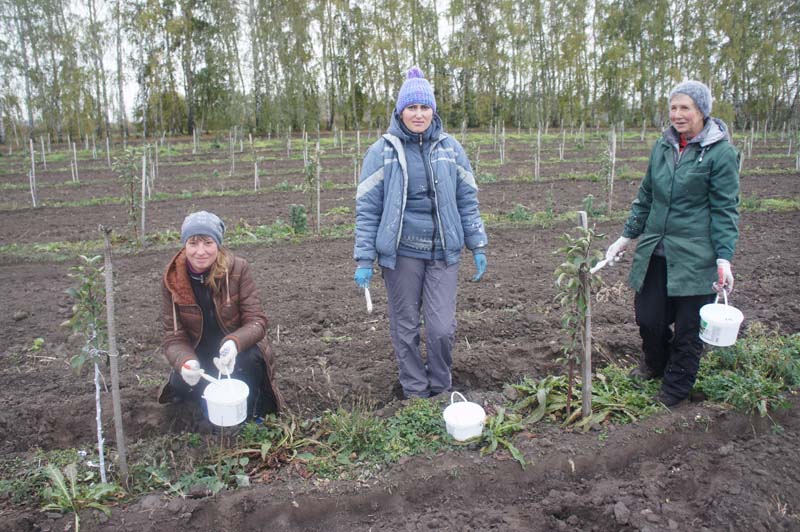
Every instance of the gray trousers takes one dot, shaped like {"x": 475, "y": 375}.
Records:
{"x": 430, "y": 286}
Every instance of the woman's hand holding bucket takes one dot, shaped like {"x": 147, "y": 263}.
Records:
{"x": 724, "y": 277}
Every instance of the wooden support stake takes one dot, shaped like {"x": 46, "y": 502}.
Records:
{"x": 114, "y": 361}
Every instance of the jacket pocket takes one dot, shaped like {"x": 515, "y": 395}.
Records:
{"x": 229, "y": 311}
{"x": 695, "y": 181}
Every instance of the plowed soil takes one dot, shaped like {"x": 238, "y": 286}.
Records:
{"x": 698, "y": 467}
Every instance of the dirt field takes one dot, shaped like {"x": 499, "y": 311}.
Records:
{"x": 699, "y": 467}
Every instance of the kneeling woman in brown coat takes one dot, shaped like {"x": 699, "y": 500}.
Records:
{"x": 213, "y": 320}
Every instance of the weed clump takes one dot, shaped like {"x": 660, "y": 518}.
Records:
{"x": 755, "y": 374}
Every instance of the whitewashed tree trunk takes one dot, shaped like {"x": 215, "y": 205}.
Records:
{"x": 32, "y": 176}
{"x": 612, "y": 159}
{"x": 319, "y": 188}
{"x": 503, "y": 145}
{"x": 123, "y": 117}
{"x": 537, "y": 162}
{"x": 75, "y": 161}
{"x": 586, "y": 362}
{"x": 232, "y": 143}
{"x": 144, "y": 197}
{"x": 98, "y": 407}
{"x": 255, "y": 176}
{"x": 113, "y": 357}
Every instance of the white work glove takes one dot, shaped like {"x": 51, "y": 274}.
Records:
{"x": 724, "y": 276}
{"x": 191, "y": 372}
{"x": 617, "y": 249}
{"x": 227, "y": 357}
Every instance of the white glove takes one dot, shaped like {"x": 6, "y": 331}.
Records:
{"x": 191, "y": 372}
{"x": 227, "y": 357}
{"x": 617, "y": 249}
{"x": 724, "y": 276}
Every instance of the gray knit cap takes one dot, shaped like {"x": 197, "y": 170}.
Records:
{"x": 202, "y": 223}
{"x": 698, "y": 92}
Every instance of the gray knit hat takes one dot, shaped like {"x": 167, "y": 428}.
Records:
{"x": 202, "y": 223}
{"x": 698, "y": 92}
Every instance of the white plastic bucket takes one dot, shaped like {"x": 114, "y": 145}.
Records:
{"x": 227, "y": 402}
{"x": 464, "y": 420}
{"x": 719, "y": 323}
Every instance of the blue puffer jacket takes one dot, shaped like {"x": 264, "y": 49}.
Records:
{"x": 382, "y": 194}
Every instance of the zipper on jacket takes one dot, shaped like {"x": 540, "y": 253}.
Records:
{"x": 431, "y": 196}
{"x": 437, "y": 221}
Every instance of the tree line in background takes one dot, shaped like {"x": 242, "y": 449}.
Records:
{"x": 280, "y": 65}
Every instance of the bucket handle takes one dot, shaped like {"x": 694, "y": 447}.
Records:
{"x": 461, "y": 396}
{"x": 724, "y": 295}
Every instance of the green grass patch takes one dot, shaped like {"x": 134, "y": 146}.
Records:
{"x": 753, "y": 204}
{"x": 754, "y": 375}
{"x": 766, "y": 171}
{"x": 357, "y": 436}
{"x": 343, "y": 211}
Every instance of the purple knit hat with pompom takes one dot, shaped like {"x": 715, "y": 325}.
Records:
{"x": 415, "y": 90}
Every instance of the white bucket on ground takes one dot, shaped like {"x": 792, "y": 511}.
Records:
{"x": 227, "y": 402}
{"x": 719, "y": 323}
{"x": 464, "y": 420}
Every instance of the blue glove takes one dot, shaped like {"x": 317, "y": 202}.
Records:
{"x": 480, "y": 266}
{"x": 363, "y": 277}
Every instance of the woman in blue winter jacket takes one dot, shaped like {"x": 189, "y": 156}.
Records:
{"x": 416, "y": 209}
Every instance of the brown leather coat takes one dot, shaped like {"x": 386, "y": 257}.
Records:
{"x": 237, "y": 307}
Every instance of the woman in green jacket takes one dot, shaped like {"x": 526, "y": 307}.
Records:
{"x": 686, "y": 219}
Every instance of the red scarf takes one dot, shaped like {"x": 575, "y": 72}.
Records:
{"x": 682, "y": 142}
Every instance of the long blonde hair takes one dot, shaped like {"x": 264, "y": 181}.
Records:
{"x": 220, "y": 267}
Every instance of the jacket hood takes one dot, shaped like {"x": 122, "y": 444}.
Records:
{"x": 399, "y": 130}
{"x": 713, "y": 131}
{"x": 176, "y": 279}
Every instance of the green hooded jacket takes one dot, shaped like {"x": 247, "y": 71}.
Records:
{"x": 690, "y": 202}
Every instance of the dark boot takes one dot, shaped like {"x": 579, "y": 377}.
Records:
{"x": 643, "y": 372}
{"x": 670, "y": 401}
